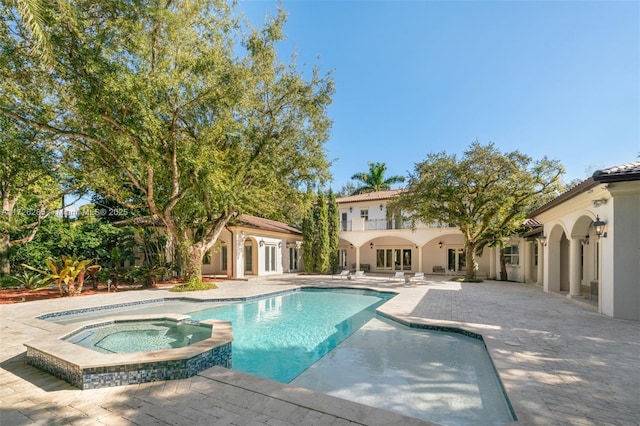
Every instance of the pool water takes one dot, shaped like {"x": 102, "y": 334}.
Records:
{"x": 280, "y": 337}
{"x": 139, "y": 336}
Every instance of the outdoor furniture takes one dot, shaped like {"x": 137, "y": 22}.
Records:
{"x": 438, "y": 270}
{"x": 398, "y": 276}
{"x": 419, "y": 276}
{"x": 342, "y": 274}
{"x": 358, "y": 274}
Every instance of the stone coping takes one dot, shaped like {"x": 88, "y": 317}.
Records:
{"x": 84, "y": 358}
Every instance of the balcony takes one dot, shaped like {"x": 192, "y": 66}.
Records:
{"x": 361, "y": 224}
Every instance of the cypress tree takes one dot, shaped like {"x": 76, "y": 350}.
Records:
{"x": 334, "y": 228}
{"x": 322, "y": 234}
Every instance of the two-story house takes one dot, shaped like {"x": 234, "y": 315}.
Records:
{"x": 373, "y": 238}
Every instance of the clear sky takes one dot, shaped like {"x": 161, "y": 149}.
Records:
{"x": 549, "y": 78}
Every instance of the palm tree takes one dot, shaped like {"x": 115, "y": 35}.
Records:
{"x": 32, "y": 14}
{"x": 374, "y": 179}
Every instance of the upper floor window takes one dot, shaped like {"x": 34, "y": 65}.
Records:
{"x": 364, "y": 213}
{"x": 511, "y": 255}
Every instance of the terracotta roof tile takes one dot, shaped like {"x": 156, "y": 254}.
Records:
{"x": 370, "y": 196}
{"x": 267, "y": 224}
{"x": 621, "y": 173}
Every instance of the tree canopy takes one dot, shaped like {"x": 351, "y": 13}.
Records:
{"x": 181, "y": 109}
{"x": 486, "y": 193}
{"x": 374, "y": 179}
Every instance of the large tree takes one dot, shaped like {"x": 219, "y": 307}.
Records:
{"x": 485, "y": 193}
{"x": 32, "y": 162}
{"x": 180, "y": 105}
{"x": 374, "y": 179}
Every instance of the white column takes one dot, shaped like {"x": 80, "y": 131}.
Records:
{"x": 574, "y": 267}
{"x": 357, "y": 258}
{"x": 526, "y": 264}
{"x": 238, "y": 257}
{"x": 420, "y": 259}
{"x": 492, "y": 263}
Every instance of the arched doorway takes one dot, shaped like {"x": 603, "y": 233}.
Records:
{"x": 558, "y": 265}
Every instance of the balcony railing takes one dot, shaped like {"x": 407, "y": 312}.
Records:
{"x": 383, "y": 225}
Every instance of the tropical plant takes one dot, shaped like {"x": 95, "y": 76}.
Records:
{"x": 374, "y": 179}
{"x": 67, "y": 273}
{"x": 30, "y": 280}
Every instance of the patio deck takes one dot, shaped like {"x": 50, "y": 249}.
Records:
{"x": 560, "y": 363}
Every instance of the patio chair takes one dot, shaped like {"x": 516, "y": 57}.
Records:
{"x": 398, "y": 276}
{"x": 358, "y": 274}
{"x": 419, "y": 276}
{"x": 342, "y": 274}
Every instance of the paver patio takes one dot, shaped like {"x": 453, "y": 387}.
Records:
{"x": 560, "y": 363}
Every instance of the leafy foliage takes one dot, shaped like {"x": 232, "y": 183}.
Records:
{"x": 180, "y": 110}
{"x": 68, "y": 273}
{"x": 320, "y": 235}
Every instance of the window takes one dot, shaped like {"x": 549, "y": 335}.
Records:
{"x": 223, "y": 254}
{"x": 511, "y": 255}
{"x": 248, "y": 258}
{"x": 396, "y": 259}
{"x": 364, "y": 213}
{"x": 270, "y": 258}
{"x": 343, "y": 258}
{"x": 293, "y": 259}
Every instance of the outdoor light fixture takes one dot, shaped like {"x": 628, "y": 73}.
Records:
{"x": 543, "y": 240}
{"x": 261, "y": 243}
{"x": 381, "y": 206}
{"x": 350, "y": 209}
{"x": 598, "y": 227}
{"x": 585, "y": 240}
{"x": 280, "y": 244}
{"x": 371, "y": 245}
{"x": 440, "y": 244}
{"x": 351, "y": 246}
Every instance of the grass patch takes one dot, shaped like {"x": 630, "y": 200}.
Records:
{"x": 467, "y": 280}
{"x": 194, "y": 285}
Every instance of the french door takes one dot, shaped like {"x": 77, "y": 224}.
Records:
{"x": 396, "y": 259}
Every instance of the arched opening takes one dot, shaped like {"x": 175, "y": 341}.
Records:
{"x": 558, "y": 266}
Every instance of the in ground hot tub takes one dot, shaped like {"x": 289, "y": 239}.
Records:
{"x": 133, "y": 349}
{"x": 121, "y": 336}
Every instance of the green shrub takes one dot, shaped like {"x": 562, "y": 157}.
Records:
{"x": 30, "y": 280}
{"x": 194, "y": 285}
{"x": 467, "y": 280}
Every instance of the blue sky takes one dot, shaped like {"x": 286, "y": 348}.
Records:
{"x": 549, "y": 78}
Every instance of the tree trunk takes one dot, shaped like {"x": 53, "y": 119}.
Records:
{"x": 5, "y": 266}
{"x": 470, "y": 258}
{"x": 191, "y": 256}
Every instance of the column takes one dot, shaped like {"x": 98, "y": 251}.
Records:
{"x": 420, "y": 259}
{"x": 526, "y": 264}
{"x": 358, "y": 258}
{"x": 574, "y": 267}
{"x": 492, "y": 263}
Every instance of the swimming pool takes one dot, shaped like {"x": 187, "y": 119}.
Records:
{"x": 295, "y": 337}
{"x": 280, "y": 337}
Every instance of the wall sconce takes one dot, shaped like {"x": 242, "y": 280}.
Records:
{"x": 381, "y": 207}
{"x": 585, "y": 240}
{"x": 351, "y": 246}
{"x": 439, "y": 244}
{"x": 350, "y": 209}
{"x": 261, "y": 243}
{"x": 543, "y": 240}
{"x": 599, "y": 227}
{"x": 598, "y": 203}
{"x": 371, "y": 245}
{"x": 280, "y": 244}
